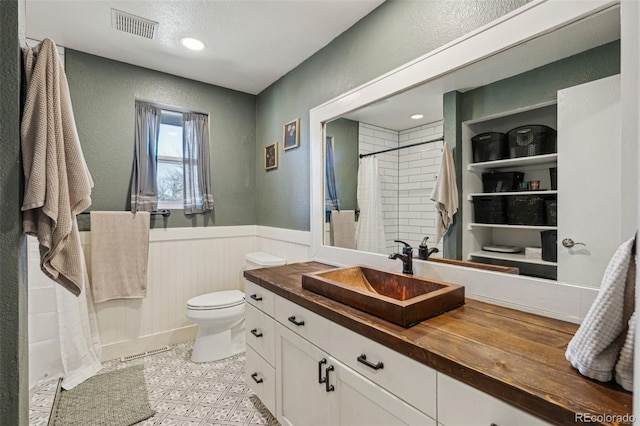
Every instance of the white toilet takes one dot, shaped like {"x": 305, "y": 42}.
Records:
{"x": 220, "y": 316}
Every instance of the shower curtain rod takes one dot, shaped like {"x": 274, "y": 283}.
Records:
{"x": 401, "y": 147}
{"x": 165, "y": 213}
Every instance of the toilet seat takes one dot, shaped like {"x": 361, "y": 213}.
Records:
{"x": 216, "y": 300}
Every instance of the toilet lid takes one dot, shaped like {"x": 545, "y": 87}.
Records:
{"x": 216, "y": 300}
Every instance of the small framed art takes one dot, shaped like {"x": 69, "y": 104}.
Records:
{"x": 271, "y": 156}
{"x": 291, "y": 134}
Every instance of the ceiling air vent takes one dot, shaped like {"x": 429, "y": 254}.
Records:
{"x": 133, "y": 24}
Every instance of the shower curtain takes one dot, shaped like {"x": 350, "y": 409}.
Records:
{"x": 370, "y": 229}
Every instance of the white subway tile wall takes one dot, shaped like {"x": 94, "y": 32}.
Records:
{"x": 407, "y": 178}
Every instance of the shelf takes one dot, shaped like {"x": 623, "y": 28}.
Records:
{"x": 498, "y": 225}
{"x": 512, "y": 257}
{"x": 513, "y": 162}
{"x": 542, "y": 192}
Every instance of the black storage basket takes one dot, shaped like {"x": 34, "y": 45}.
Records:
{"x": 525, "y": 210}
{"x": 526, "y": 141}
{"x": 501, "y": 181}
{"x": 551, "y": 207}
{"x": 489, "y": 147}
{"x": 549, "y": 242}
{"x": 488, "y": 209}
{"x": 553, "y": 175}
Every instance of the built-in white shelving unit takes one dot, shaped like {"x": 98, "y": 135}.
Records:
{"x": 476, "y": 235}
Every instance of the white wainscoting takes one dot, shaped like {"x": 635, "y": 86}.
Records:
{"x": 183, "y": 263}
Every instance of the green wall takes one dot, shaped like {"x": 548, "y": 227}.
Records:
{"x": 392, "y": 35}
{"x": 14, "y": 360}
{"x": 103, "y": 93}
{"x": 345, "y": 143}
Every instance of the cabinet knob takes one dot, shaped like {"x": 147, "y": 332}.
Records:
{"x": 256, "y": 333}
{"x": 363, "y": 360}
{"x": 568, "y": 243}
{"x": 328, "y": 387}
{"x": 256, "y": 297}
{"x": 320, "y": 364}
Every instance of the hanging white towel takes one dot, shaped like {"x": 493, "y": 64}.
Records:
{"x": 57, "y": 181}
{"x": 445, "y": 193}
{"x": 595, "y": 348}
{"x": 370, "y": 234}
{"x": 119, "y": 255}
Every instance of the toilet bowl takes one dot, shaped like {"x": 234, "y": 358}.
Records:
{"x": 220, "y": 319}
{"x": 220, "y": 316}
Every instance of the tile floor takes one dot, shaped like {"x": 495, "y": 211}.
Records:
{"x": 181, "y": 392}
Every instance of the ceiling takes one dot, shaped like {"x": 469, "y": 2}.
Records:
{"x": 394, "y": 112}
{"x": 249, "y": 44}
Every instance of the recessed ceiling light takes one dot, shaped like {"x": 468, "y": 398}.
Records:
{"x": 417, "y": 116}
{"x": 192, "y": 43}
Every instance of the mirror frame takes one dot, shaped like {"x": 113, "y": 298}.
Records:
{"x": 526, "y": 23}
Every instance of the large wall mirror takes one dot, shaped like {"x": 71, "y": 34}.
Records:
{"x": 565, "y": 77}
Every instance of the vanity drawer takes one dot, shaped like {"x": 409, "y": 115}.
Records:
{"x": 455, "y": 399}
{"x": 260, "y": 329}
{"x": 404, "y": 377}
{"x": 259, "y": 297}
{"x": 302, "y": 321}
{"x": 261, "y": 378}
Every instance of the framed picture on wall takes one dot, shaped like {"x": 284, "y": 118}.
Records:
{"x": 271, "y": 156}
{"x": 291, "y": 134}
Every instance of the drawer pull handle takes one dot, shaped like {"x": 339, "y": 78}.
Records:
{"x": 293, "y": 320}
{"x": 328, "y": 387}
{"x": 320, "y": 364}
{"x": 256, "y": 297}
{"x": 363, "y": 359}
{"x": 254, "y": 376}
{"x": 256, "y": 333}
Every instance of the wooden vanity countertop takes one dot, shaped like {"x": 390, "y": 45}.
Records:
{"x": 515, "y": 356}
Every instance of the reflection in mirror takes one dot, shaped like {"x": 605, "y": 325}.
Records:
{"x": 513, "y": 88}
{"x": 403, "y": 164}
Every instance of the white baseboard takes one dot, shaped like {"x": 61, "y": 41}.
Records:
{"x": 149, "y": 342}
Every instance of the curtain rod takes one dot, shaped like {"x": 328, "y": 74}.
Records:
{"x": 401, "y": 147}
{"x": 164, "y": 213}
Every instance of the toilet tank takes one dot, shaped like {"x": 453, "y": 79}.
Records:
{"x": 261, "y": 259}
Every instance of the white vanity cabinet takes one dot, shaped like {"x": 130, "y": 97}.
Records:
{"x": 461, "y": 404}
{"x": 260, "y": 326}
{"x": 314, "y": 388}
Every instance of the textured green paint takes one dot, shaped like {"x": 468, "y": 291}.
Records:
{"x": 345, "y": 143}
{"x": 103, "y": 93}
{"x": 393, "y": 34}
{"x": 542, "y": 84}
{"x": 14, "y": 362}
{"x": 452, "y": 101}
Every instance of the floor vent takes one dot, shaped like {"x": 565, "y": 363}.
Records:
{"x": 143, "y": 354}
{"x": 133, "y": 24}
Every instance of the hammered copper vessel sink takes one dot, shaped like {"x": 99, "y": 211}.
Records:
{"x": 399, "y": 298}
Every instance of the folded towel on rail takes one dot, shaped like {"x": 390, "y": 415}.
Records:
{"x": 343, "y": 229}
{"x": 598, "y": 344}
{"x": 119, "y": 255}
{"x": 57, "y": 181}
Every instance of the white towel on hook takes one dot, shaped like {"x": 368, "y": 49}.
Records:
{"x": 445, "y": 193}
{"x": 596, "y": 347}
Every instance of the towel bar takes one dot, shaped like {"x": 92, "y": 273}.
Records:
{"x": 164, "y": 213}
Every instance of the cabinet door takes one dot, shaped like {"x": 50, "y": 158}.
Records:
{"x": 300, "y": 398}
{"x": 461, "y": 404}
{"x": 357, "y": 401}
{"x": 589, "y": 179}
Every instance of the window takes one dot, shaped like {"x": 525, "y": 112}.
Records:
{"x": 171, "y": 161}
{"x": 170, "y": 178}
